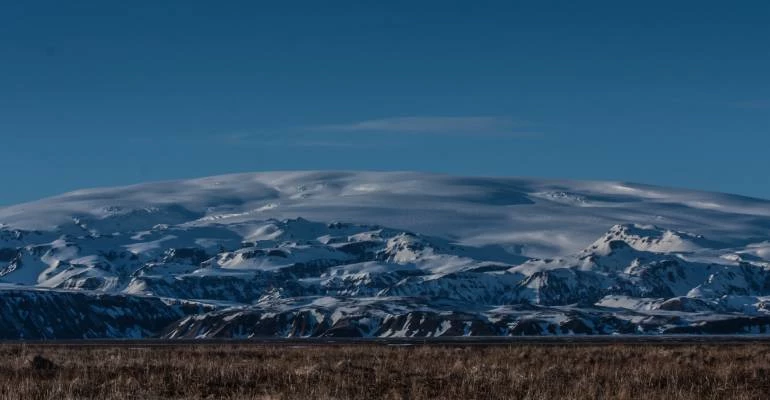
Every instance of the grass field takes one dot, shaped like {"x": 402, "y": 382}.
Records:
{"x": 616, "y": 371}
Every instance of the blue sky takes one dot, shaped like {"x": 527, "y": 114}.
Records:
{"x": 101, "y": 93}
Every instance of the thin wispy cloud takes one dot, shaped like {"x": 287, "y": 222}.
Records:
{"x": 329, "y": 144}
{"x": 236, "y": 138}
{"x": 356, "y": 134}
{"x": 753, "y": 105}
{"x": 286, "y": 140}
{"x": 471, "y": 125}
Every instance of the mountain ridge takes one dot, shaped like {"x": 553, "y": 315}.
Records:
{"x": 386, "y": 254}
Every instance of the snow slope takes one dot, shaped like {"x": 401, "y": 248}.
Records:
{"x": 388, "y": 254}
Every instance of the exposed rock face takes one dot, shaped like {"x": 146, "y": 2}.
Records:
{"x": 46, "y": 314}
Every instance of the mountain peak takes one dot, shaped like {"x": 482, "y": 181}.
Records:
{"x": 651, "y": 238}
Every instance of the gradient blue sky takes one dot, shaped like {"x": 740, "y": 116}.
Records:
{"x": 99, "y": 93}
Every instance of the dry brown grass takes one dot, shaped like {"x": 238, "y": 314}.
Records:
{"x": 369, "y": 371}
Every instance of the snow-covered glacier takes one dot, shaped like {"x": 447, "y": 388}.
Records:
{"x": 383, "y": 254}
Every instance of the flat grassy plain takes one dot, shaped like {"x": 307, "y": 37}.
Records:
{"x": 366, "y": 371}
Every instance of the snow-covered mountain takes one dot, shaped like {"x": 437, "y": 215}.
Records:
{"x": 383, "y": 254}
